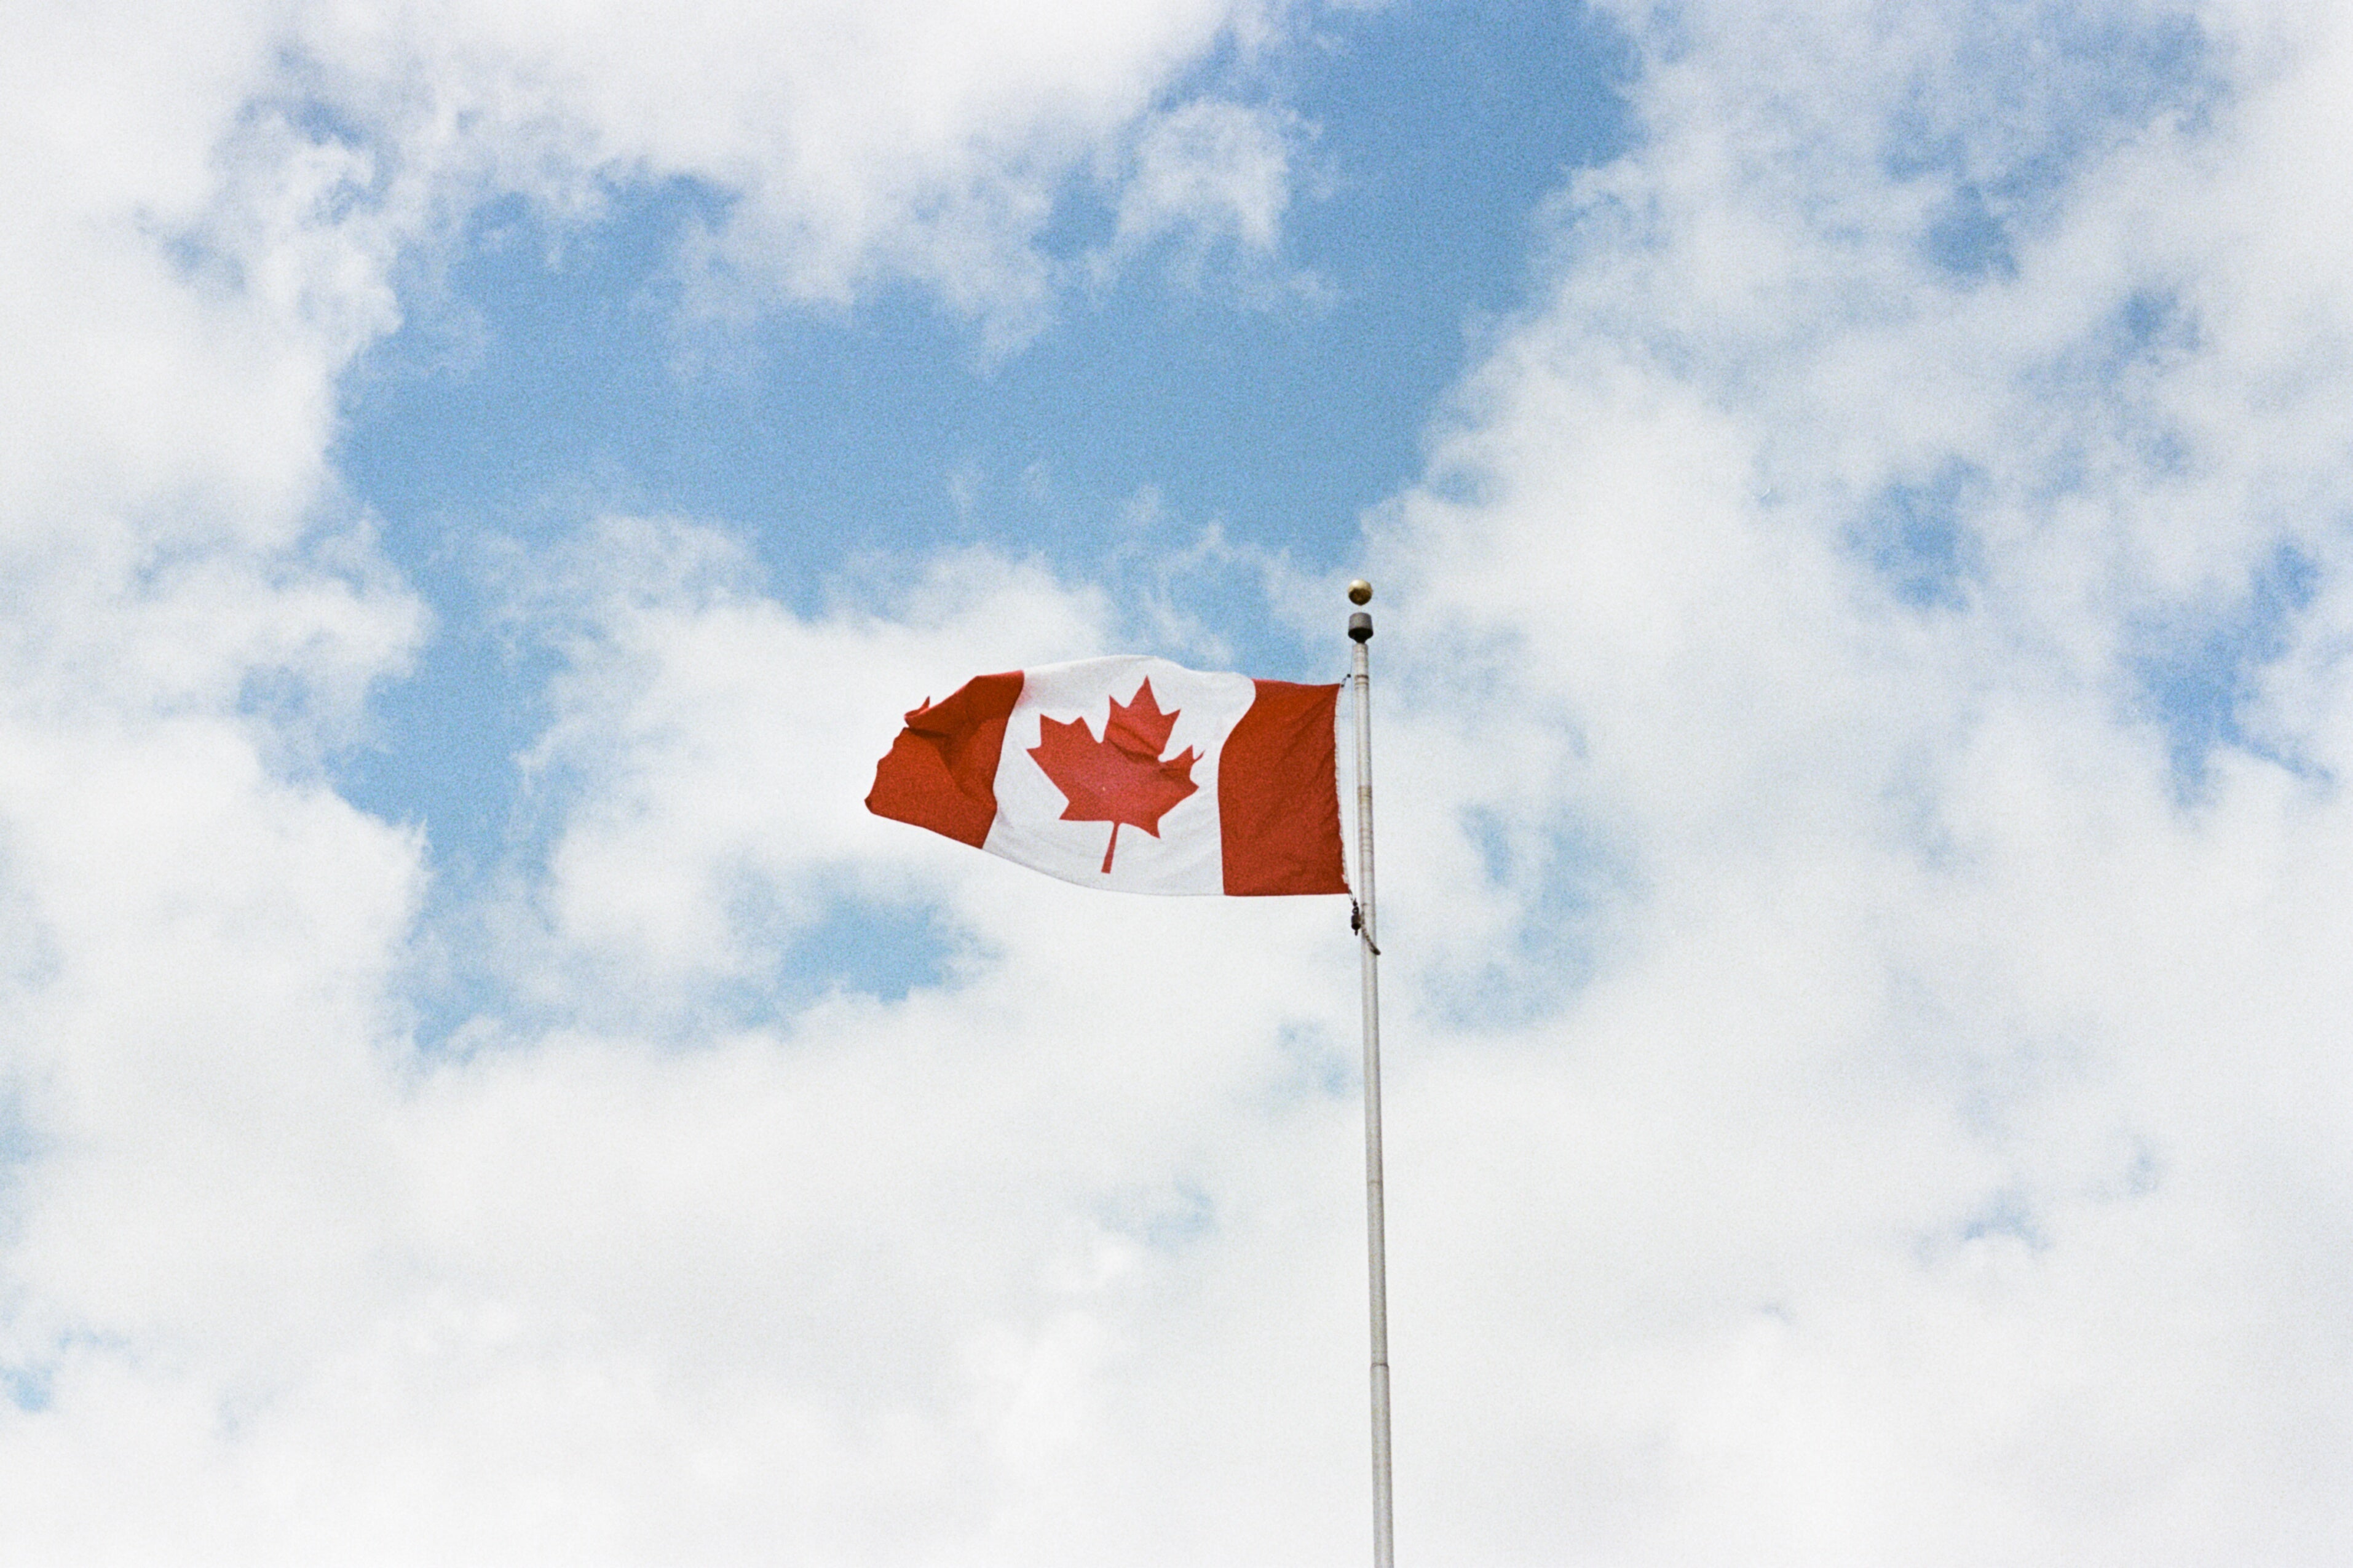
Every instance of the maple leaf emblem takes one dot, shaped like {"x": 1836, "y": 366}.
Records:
{"x": 1122, "y": 779}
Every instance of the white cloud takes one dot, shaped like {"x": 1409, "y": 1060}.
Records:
{"x": 853, "y": 145}
{"x": 1930, "y": 1169}
{"x": 1854, "y": 1098}
{"x": 706, "y": 743}
{"x": 1211, "y": 173}
{"x": 275, "y": 1286}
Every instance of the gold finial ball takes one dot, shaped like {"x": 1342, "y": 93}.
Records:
{"x": 1360, "y": 592}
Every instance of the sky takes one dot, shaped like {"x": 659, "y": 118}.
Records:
{"x": 1859, "y": 498}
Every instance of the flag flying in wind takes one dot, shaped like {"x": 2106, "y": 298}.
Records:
{"x": 1129, "y": 773}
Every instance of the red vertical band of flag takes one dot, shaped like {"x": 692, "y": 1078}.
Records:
{"x": 1279, "y": 793}
{"x": 941, "y": 772}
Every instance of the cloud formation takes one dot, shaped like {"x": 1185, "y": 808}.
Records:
{"x": 851, "y": 146}
{"x": 1863, "y": 712}
{"x": 261, "y": 1300}
{"x": 1882, "y": 543}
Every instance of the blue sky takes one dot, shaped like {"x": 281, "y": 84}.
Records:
{"x": 1858, "y": 491}
{"x": 543, "y": 372}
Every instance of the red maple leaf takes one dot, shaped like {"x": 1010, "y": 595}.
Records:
{"x": 1121, "y": 778}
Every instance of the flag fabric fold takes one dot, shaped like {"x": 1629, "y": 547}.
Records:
{"x": 1129, "y": 773}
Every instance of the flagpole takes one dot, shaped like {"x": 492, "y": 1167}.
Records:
{"x": 1360, "y": 680}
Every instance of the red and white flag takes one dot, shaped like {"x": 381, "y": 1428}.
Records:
{"x": 1129, "y": 773}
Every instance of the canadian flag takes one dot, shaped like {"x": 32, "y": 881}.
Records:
{"x": 1129, "y": 773}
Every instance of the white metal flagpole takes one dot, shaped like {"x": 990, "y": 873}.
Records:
{"x": 1360, "y": 680}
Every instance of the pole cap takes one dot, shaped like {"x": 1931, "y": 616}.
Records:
{"x": 1360, "y": 627}
{"x": 1360, "y": 592}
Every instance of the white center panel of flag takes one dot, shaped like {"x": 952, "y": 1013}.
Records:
{"x": 1185, "y": 854}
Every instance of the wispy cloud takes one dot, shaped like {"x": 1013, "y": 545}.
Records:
{"x": 1864, "y": 697}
